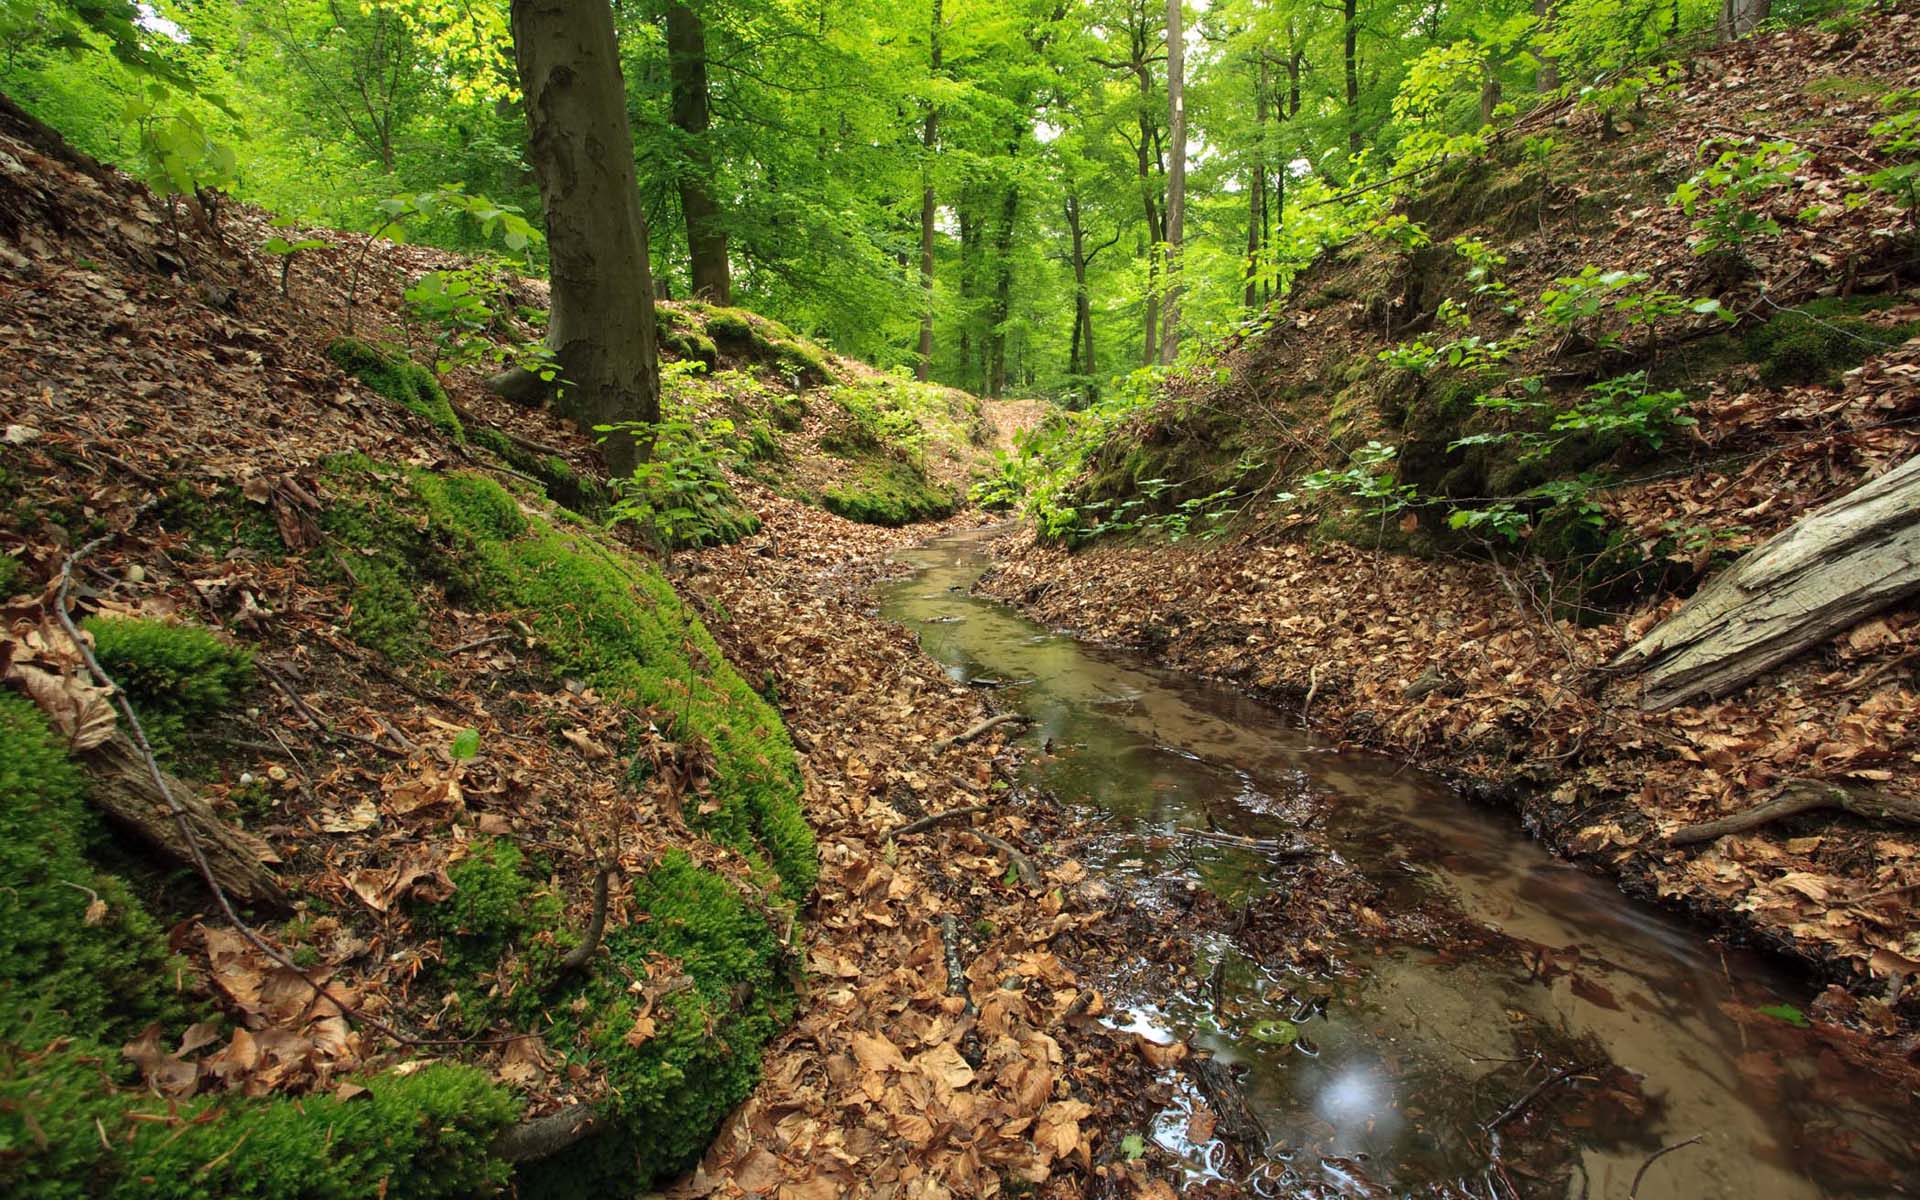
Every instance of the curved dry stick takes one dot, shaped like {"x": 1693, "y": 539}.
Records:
{"x": 1655, "y": 1157}
{"x": 582, "y": 954}
{"x": 1798, "y": 797}
{"x": 1022, "y": 865}
{"x": 975, "y": 730}
{"x": 939, "y": 818}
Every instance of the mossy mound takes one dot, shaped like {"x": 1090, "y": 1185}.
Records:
{"x": 690, "y": 346}
{"x": 501, "y": 937}
{"x": 581, "y": 493}
{"x": 891, "y": 493}
{"x": 606, "y": 616}
{"x": 174, "y": 674}
{"x": 1816, "y": 342}
{"x": 393, "y": 375}
{"x": 686, "y": 1048}
{"x": 741, "y": 334}
{"x": 74, "y": 989}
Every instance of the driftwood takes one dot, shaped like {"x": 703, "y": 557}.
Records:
{"x": 1798, "y": 797}
{"x": 975, "y": 730}
{"x": 123, "y": 787}
{"x": 1835, "y": 567}
{"x": 1236, "y": 1123}
{"x": 544, "y": 1137}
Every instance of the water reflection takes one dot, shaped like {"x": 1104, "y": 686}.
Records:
{"x": 1382, "y": 1074}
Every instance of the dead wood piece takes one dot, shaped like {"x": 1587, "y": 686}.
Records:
{"x": 472, "y": 421}
{"x": 1215, "y": 837}
{"x": 544, "y": 1137}
{"x": 519, "y": 385}
{"x": 1022, "y": 865}
{"x": 124, "y": 788}
{"x": 1832, "y": 569}
{"x": 582, "y": 954}
{"x": 1656, "y": 1156}
{"x": 940, "y": 818}
{"x": 1236, "y": 1123}
{"x": 1803, "y": 796}
{"x": 956, "y": 970}
{"x": 981, "y": 727}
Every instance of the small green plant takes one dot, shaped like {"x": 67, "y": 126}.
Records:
{"x": 1397, "y": 229}
{"x": 178, "y": 156}
{"x": 1724, "y": 199}
{"x": 680, "y": 496}
{"x": 1897, "y": 137}
{"x": 1415, "y": 356}
{"x": 465, "y": 746}
{"x": 1483, "y": 263}
{"x": 286, "y": 250}
{"x": 463, "y": 309}
{"x": 1369, "y": 478}
{"x": 395, "y": 211}
{"x": 1576, "y": 299}
{"x": 1625, "y": 406}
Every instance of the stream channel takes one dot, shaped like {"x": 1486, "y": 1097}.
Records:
{"x": 1378, "y": 1078}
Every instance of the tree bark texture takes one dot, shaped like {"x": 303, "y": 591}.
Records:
{"x": 1835, "y": 567}
{"x": 1176, "y": 178}
{"x": 601, "y": 327}
{"x": 706, "y": 239}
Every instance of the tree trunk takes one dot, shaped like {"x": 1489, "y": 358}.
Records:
{"x": 1835, "y": 567}
{"x": 1740, "y": 17}
{"x": 929, "y": 134}
{"x": 1257, "y": 194}
{"x": 1002, "y": 291}
{"x": 1547, "y": 78}
{"x": 1350, "y": 51}
{"x": 1077, "y": 247}
{"x": 706, "y": 241}
{"x": 1176, "y": 178}
{"x": 601, "y": 325}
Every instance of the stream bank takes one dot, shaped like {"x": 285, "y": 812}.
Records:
{"x": 1409, "y": 993}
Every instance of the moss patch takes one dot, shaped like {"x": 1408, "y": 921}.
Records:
{"x": 581, "y": 493}
{"x": 174, "y": 674}
{"x": 606, "y": 616}
{"x": 888, "y": 492}
{"x": 393, "y": 375}
{"x": 1818, "y": 341}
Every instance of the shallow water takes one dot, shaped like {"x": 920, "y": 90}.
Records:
{"x": 1389, "y": 1072}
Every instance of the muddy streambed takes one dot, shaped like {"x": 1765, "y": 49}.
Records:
{"x": 1410, "y": 996}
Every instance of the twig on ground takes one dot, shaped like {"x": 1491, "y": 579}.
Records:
{"x": 581, "y": 955}
{"x": 939, "y": 818}
{"x": 1662, "y": 1152}
{"x": 1519, "y": 1106}
{"x": 981, "y": 727}
{"x": 1022, "y": 865}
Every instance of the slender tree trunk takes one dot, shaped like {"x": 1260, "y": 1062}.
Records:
{"x": 969, "y": 289}
{"x": 1547, "y": 78}
{"x": 1077, "y": 246}
{"x": 1176, "y": 177}
{"x": 929, "y": 134}
{"x": 706, "y": 241}
{"x": 601, "y": 325}
{"x": 1740, "y": 17}
{"x": 1002, "y": 292}
{"x": 1350, "y": 52}
{"x": 1257, "y": 194}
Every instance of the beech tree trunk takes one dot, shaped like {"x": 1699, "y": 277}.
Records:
{"x": 1350, "y": 53}
{"x": 706, "y": 240}
{"x": 601, "y": 327}
{"x": 1176, "y": 179}
{"x": 1740, "y": 17}
{"x": 1257, "y": 194}
{"x": 929, "y": 135}
{"x": 1835, "y": 567}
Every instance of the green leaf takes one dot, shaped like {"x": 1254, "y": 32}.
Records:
{"x": 1787, "y": 1013}
{"x": 1133, "y": 1146}
{"x": 1277, "y": 1033}
{"x": 466, "y": 745}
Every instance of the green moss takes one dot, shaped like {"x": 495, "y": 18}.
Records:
{"x": 12, "y": 575}
{"x": 709, "y": 1028}
{"x": 425, "y": 1134}
{"x": 606, "y": 616}
{"x": 579, "y": 492}
{"x": 218, "y": 520}
{"x": 175, "y": 675}
{"x": 1819, "y": 340}
{"x": 801, "y": 360}
{"x": 109, "y": 978}
{"x": 501, "y": 935}
{"x": 393, "y": 375}
{"x": 690, "y": 346}
{"x": 730, "y": 326}
{"x": 888, "y": 492}
{"x": 383, "y": 613}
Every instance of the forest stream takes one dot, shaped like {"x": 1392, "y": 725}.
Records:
{"x": 1397, "y": 1069}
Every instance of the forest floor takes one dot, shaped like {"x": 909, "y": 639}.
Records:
{"x": 1463, "y": 663}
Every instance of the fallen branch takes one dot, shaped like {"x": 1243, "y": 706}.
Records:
{"x": 1215, "y": 837}
{"x": 544, "y": 1137}
{"x": 1799, "y": 797}
{"x": 1655, "y": 1157}
{"x": 980, "y": 727}
{"x": 1238, "y": 1125}
{"x": 939, "y": 818}
{"x": 1022, "y": 865}
{"x": 1518, "y": 1106}
{"x": 582, "y": 954}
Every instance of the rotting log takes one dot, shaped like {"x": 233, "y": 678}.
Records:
{"x": 544, "y": 1137}
{"x": 124, "y": 789}
{"x": 1833, "y": 568}
{"x": 1804, "y": 795}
